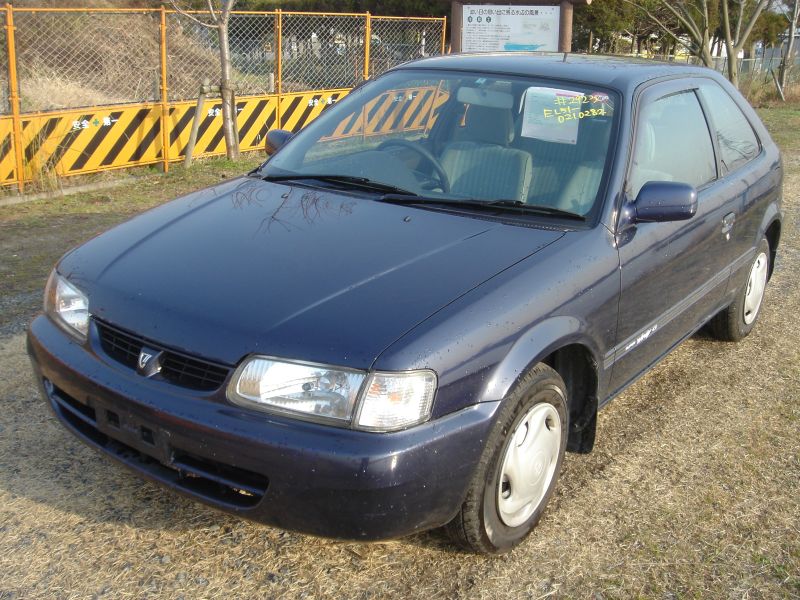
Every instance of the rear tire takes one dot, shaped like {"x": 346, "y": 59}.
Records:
{"x": 519, "y": 466}
{"x": 736, "y": 321}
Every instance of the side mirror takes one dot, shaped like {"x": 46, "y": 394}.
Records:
{"x": 276, "y": 139}
{"x": 663, "y": 201}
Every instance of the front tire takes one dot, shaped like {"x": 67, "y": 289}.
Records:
{"x": 519, "y": 467}
{"x": 736, "y": 321}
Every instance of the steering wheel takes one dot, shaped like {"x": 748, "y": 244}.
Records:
{"x": 444, "y": 180}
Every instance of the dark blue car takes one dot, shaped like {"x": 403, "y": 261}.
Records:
{"x": 407, "y": 315}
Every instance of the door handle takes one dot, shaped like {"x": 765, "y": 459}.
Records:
{"x": 727, "y": 223}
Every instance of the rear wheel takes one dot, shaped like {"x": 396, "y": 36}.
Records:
{"x": 737, "y": 320}
{"x": 519, "y": 467}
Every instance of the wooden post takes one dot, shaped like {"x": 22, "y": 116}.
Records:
{"x": 198, "y": 116}
{"x": 456, "y": 16}
{"x": 164, "y": 94}
{"x": 13, "y": 97}
{"x": 565, "y": 27}
{"x": 778, "y": 85}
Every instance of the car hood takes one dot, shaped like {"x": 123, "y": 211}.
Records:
{"x": 250, "y": 266}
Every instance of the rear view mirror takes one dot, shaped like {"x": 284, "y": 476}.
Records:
{"x": 663, "y": 201}
{"x": 276, "y": 139}
{"x": 484, "y": 97}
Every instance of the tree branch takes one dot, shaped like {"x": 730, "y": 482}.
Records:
{"x": 739, "y": 20}
{"x": 211, "y": 10}
{"x": 686, "y": 20}
{"x": 763, "y": 4}
{"x": 660, "y": 23}
{"x": 180, "y": 11}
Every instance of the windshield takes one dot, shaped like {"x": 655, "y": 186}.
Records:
{"x": 456, "y": 136}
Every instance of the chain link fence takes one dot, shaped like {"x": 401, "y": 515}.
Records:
{"x": 85, "y": 90}
{"x": 68, "y": 58}
{"x": 753, "y": 72}
{"x": 322, "y": 51}
{"x": 398, "y": 40}
{"x": 758, "y": 71}
{"x": 193, "y": 54}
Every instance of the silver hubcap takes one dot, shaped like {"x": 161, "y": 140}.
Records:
{"x": 529, "y": 464}
{"x": 755, "y": 288}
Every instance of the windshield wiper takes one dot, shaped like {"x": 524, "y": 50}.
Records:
{"x": 494, "y": 205}
{"x": 538, "y": 208}
{"x": 346, "y": 180}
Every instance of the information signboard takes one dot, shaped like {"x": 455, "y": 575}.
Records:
{"x": 493, "y": 28}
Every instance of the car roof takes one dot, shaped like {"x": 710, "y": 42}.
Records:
{"x": 621, "y": 73}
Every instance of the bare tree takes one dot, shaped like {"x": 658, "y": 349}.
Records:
{"x": 695, "y": 19}
{"x": 787, "y": 61}
{"x": 218, "y": 19}
{"x": 735, "y": 40}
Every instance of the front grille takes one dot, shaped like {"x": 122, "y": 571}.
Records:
{"x": 176, "y": 367}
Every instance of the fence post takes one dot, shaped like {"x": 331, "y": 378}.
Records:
{"x": 164, "y": 93}
{"x": 279, "y": 63}
{"x": 444, "y": 33}
{"x": 13, "y": 96}
{"x": 367, "y": 44}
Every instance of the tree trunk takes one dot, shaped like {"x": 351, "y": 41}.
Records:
{"x": 704, "y": 52}
{"x": 730, "y": 49}
{"x": 226, "y": 90}
{"x": 733, "y": 70}
{"x": 787, "y": 61}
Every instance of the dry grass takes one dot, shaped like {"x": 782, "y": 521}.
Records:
{"x": 693, "y": 490}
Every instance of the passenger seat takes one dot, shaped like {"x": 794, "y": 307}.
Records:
{"x": 580, "y": 190}
{"x": 480, "y": 164}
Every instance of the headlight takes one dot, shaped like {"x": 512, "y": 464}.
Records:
{"x": 67, "y": 305}
{"x": 305, "y": 389}
{"x": 387, "y": 402}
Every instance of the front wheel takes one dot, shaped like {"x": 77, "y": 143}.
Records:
{"x": 737, "y": 320}
{"x": 519, "y": 467}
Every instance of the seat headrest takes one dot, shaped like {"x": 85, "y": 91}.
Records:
{"x": 488, "y": 125}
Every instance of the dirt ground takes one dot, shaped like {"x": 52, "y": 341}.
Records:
{"x": 693, "y": 489}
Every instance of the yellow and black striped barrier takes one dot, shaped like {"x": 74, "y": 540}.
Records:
{"x": 81, "y": 141}
{"x": 395, "y": 110}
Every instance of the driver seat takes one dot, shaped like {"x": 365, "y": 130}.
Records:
{"x": 480, "y": 163}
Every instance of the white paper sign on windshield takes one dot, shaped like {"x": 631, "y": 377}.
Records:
{"x": 546, "y": 115}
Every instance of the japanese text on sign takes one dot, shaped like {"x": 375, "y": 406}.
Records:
{"x": 506, "y": 28}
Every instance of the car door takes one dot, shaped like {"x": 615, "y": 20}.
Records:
{"x": 744, "y": 172}
{"x": 673, "y": 274}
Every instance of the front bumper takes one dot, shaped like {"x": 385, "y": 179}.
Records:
{"x": 296, "y": 475}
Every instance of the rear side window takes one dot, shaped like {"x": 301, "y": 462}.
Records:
{"x": 672, "y": 144}
{"x": 737, "y": 141}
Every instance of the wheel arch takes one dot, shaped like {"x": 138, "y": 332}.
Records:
{"x": 773, "y": 235}
{"x": 562, "y": 344}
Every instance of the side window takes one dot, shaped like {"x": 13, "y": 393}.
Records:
{"x": 672, "y": 144}
{"x": 737, "y": 142}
